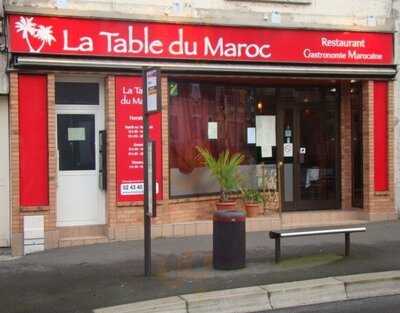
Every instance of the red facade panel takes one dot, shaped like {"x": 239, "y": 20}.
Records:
{"x": 146, "y": 40}
{"x": 381, "y": 135}
{"x": 33, "y": 140}
{"x": 129, "y": 139}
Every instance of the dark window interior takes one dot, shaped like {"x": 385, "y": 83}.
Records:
{"x": 356, "y": 145}
{"x": 310, "y": 122}
{"x": 77, "y": 93}
{"x": 234, "y": 109}
{"x": 76, "y": 142}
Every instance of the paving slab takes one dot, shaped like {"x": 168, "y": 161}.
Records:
{"x": 240, "y": 300}
{"x": 275, "y": 296}
{"x": 164, "y": 305}
{"x": 305, "y": 292}
{"x": 371, "y": 284}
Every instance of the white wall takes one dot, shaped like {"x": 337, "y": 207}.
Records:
{"x": 4, "y": 174}
{"x": 396, "y": 13}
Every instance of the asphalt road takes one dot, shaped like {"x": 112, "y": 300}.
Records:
{"x": 389, "y": 304}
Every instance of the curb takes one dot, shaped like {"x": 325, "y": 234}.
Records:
{"x": 268, "y": 297}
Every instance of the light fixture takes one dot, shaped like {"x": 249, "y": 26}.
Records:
{"x": 259, "y": 105}
{"x": 61, "y": 4}
{"x": 352, "y": 90}
{"x": 333, "y": 90}
{"x": 353, "y": 81}
{"x": 276, "y": 17}
{"x": 371, "y": 21}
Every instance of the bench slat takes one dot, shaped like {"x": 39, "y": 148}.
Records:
{"x": 323, "y": 232}
{"x": 277, "y": 235}
{"x": 311, "y": 232}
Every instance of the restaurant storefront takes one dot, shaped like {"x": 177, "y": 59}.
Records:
{"x": 311, "y": 111}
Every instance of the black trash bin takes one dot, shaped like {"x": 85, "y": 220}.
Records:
{"x": 229, "y": 240}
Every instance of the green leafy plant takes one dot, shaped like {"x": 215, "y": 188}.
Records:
{"x": 224, "y": 169}
{"x": 252, "y": 196}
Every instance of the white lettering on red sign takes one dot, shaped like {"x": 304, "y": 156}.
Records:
{"x": 127, "y": 39}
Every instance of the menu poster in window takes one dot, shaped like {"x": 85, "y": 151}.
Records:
{"x": 129, "y": 140}
{"x": 265, "y": 134}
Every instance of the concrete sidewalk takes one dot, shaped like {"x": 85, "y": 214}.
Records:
{"x": 270, "y": 297}
{"x": 81, "y": 279}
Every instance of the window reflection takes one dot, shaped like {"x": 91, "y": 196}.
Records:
{"x": 234, "y": 109}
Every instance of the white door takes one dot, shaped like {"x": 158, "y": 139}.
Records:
{"x": 4, "y": 175}
{"x": 80, "y": 118}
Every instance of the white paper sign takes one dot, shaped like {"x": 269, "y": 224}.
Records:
{"x": 288, "y": 150}
{"x": 266, "y": 151}
{"x": 151, "y": 90}
{"x": 265, "y": 134}
{"x": 76, "y": 134}
{"x": 212, "y": 130}
{"x": 251, "y": 135}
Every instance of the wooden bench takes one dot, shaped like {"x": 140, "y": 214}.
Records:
{"x": 346, "y": 230}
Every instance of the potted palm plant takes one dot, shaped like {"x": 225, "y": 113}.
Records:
{"x": 252, "y": 199}
{"x": 224, "y": 169}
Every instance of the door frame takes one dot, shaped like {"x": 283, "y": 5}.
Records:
{"x": 297, "y": 204}
{"x": 99, "y": 116}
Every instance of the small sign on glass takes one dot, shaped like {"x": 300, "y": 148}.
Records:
{"x": 251, "y": 135}
{"x": 152, "y": 90}
{"x": 76, "y": 134}
{"x": 288, "y": 150}
{"x": 212, "y": 130}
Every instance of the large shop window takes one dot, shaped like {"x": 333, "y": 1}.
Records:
{"x": 219, "y": 117}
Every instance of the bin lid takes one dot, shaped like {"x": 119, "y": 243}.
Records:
{"x": 229, "y": 216}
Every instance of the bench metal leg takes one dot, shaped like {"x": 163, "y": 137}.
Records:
{"x": 347, "y": 244}
{"x": 277, "y": 249}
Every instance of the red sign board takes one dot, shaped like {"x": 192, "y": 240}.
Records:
{"x": 129, "y": 139}
{"x": 129, "y": 39}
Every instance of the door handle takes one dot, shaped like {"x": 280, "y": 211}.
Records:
{"x": 302, "y": 153}
{"x": 280, "y": 189}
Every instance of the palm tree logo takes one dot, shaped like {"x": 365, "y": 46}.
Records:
{"x": 29, "y": 29}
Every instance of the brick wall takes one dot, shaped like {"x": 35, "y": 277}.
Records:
{"x": 377, "y": 205}
{"x": 111, "y": 156}
{"x": 16, "y": 222}
{"x": 51, "y": 239}
{"x": 125, "y": 220}
{"x": 49, "y": 212}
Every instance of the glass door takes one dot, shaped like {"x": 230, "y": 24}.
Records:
{"x": 287, "y": 156}
{"x": 80, "y": 118}
{"x": 309, "y": 136}
{"x": 317, "y": 158}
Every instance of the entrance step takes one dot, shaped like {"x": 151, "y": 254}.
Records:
{"x": 81, "y": 241}
{"x": 82, "y": 235}
{"x": 5, "y": 255}
{"x": 82, "y": 231}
